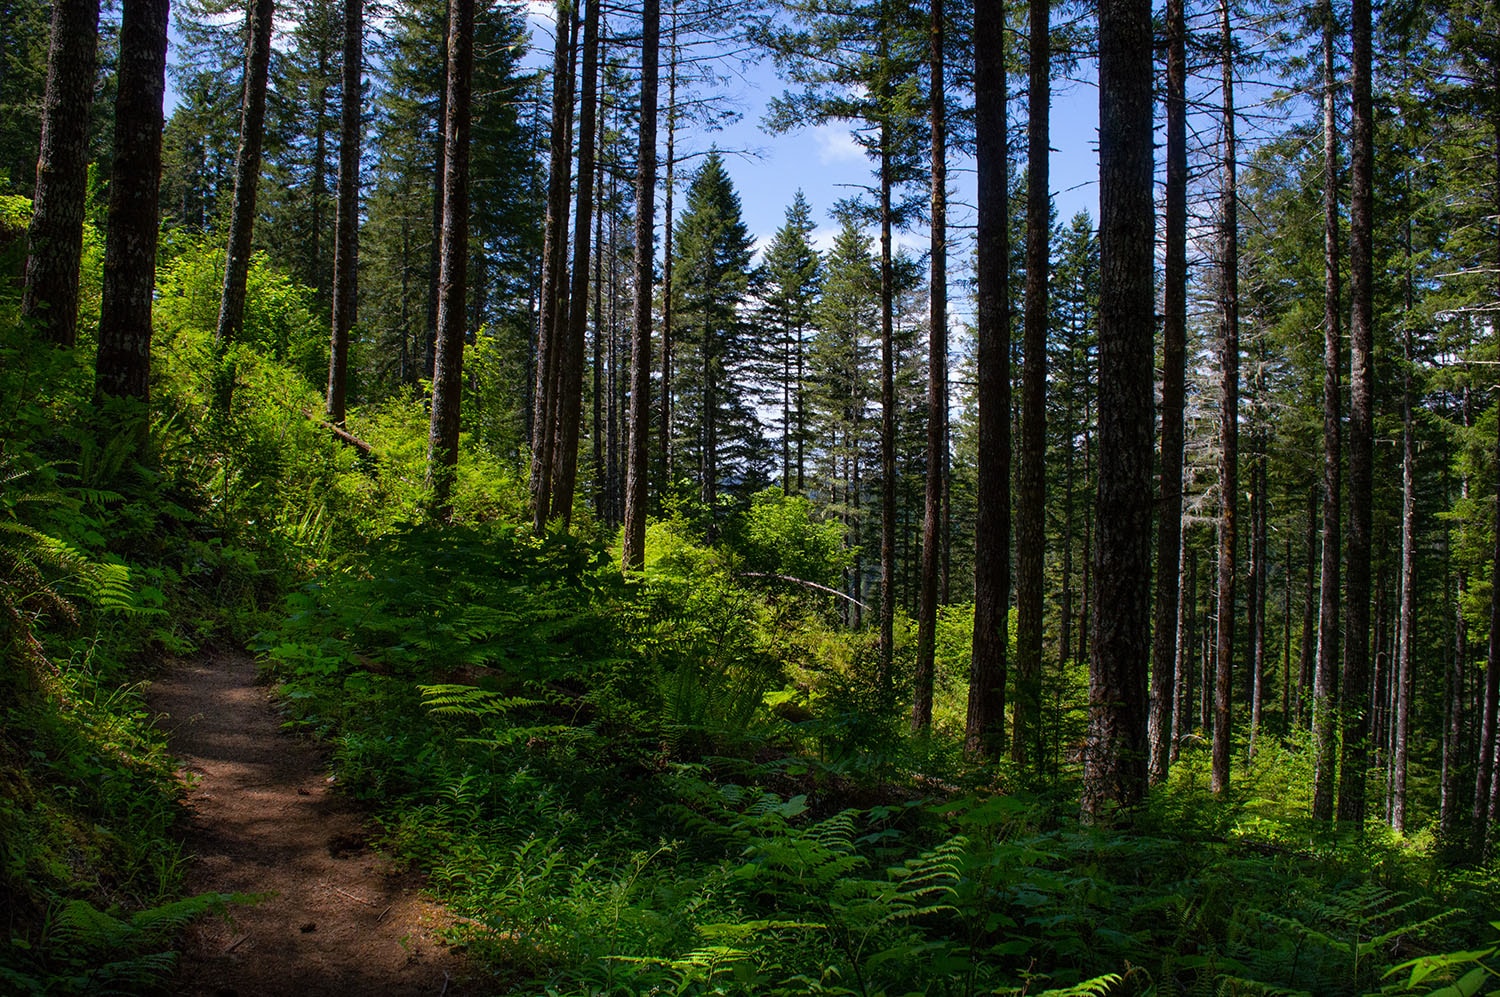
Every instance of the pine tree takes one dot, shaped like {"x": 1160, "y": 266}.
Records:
{"x": 791, "y": 280}
{"x": 712, "y": 250}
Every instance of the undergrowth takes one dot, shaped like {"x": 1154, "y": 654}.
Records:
{"x": 625, "y": 787}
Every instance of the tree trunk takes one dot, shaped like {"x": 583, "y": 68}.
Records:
{"x": 122, "y": 367}
{"x": 937, "y": 384}
{"x": 985, "y": 723}
{"x": 447, "y": 375}
{"x": 1031, "y": 481}
{"x": 570, "y": 411}
{"x": 346, "y": 234}
{"x": 1229, "y": 420}
{"x": 1187, "y": 611}
{"x": 440, "y": 179}
{"x": 638, "y": 469}
{"x": 1308, "y": 652}
{"x": 246, "y": 178}
{"x": 550, "y": 330}
{"x": 664, "y": 420}
{"x": 1356, "y": 679}
{"x": 54, "y": 242}
{"x": 1116, "y": 750}
{"x": 887, "y": 423}
{"x": 1173, "y": 390}
{"x": 1406, "y": 620}
{"x": 1325, "y": 677}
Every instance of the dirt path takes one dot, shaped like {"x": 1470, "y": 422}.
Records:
{"x": 265, "y": 820}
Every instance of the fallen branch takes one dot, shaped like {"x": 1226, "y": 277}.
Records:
{"x": 342, "y": 435}
{"x": 804, "y": 581}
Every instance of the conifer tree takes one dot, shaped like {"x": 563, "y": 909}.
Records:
{"x": 712, "y": 249}
{"x": 792, "y": 276}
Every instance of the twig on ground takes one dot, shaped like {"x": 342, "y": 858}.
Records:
{"x": 358, "y": 900}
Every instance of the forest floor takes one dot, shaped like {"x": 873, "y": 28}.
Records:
{"x": 265, "y": 818}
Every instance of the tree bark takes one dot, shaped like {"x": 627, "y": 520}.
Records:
{"x": 1173, "y": 390}
{"x": 1406, "y": 619}
{"x": 122, "y": 367}
{"x": 887, "y": 423}
{"x": 1229, "y": 420}
{"x": 544, "y": 401}
{"x": 1356, "y": 718}
{"x": 570, "y": 417}
{"x": 664, "y": 419}
{"x": 54, "y": 241}
{"x": 1115, "y": 753}
{"x": 1307, "y": 656}
{"x": 937, "y": 382}
{"x": 346, "y": 234}
{"x": 447, "y": 375}
{"x": 638, "y": 469}
{"x": 1031, "y": 483}
{"x": 1325, "y": 676}
{"x": 985, "y": 723}
{"x": 246, "y": 177}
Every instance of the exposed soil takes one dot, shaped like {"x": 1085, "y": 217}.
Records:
{"x": 266, "y": 819}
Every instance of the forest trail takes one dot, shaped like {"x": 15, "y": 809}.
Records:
{"x": 266, "y": 820}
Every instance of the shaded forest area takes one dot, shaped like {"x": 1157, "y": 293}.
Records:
{"x": 1074, "y": 607}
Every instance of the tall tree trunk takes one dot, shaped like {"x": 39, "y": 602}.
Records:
{"x": 544, "y": 403}
{"x": 1173, "y": 389}
{"x": 447, "y": 375}
{"x": 887, "y": 422}
{"x": 1484, "y": 770}
{"x": 1116, "y": 750}
{"x": 937, "y": 382}
{"x": 1031, "y": 483}
{"x": 1229, "y": 420}
{"x": 1187, "y": 607}
{"x": 1406, "y": 620}
{"x": 1356, "y": 679}
{"x": 570, "y": 410}
{"x": 638, "y": 469}
{"x": 1259, "y": 578}
{"x": 346, "y": 234}
{"x": 1450, "y": 804}
{"x": 54, "y": 242}
{"x": 664, "y": 420}
{"x": 246, "y": 178}
{"x": 984, "y": 727}
{"x": 440, "y": 180}
{"x": 1489, "y": 741}
{"x": 596, "y": 422}
{"x": 1286, "y": 637}
{"x": 122, "y": 367}
{"x": 1325, "y": 677}
{"x": 1308, "y": 652}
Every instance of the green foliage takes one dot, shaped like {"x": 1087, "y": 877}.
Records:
{"x": 109, "y": 952}
{"x": 781, "y": 535}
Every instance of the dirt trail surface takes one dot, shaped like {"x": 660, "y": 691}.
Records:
{"x": 266, "y": 820}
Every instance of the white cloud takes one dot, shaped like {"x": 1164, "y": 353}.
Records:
{"x": 836, "y": 145}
